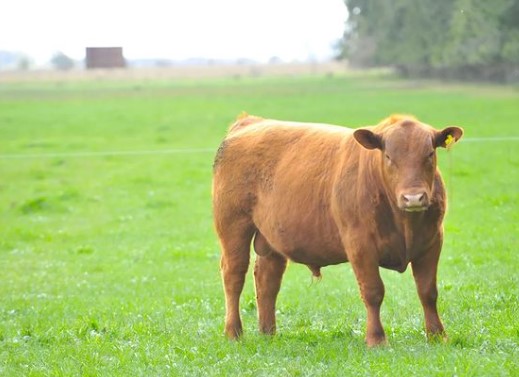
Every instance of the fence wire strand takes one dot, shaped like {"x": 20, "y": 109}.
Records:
{"x": 21, "y": 156}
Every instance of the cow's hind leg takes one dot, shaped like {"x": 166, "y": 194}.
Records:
{"x": 268, "y": 272}
{"x": 235, "y": 240}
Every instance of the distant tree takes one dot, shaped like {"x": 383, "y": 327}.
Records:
{"x": 275, "y": 60}
{"x": 62, "y": 62}
{"x": 473, "y": 39}
{"x": 23, "y": 63}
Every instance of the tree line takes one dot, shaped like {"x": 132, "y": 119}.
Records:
{"x": 462, "y": 39}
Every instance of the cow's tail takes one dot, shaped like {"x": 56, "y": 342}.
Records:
{"x": 243, "y": 120}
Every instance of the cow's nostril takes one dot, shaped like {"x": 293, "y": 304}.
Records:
{"x": 415, "y": 200}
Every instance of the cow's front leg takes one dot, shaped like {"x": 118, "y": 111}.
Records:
{"x": 372, "y": 291}
{"x": 424, "y": 271}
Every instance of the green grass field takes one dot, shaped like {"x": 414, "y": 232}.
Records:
{"x": 110, "y": 265}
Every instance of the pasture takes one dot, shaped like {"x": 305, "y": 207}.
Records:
{"x": 110, "y": 265}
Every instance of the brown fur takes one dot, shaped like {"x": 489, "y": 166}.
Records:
{"x": 321, "y": 195}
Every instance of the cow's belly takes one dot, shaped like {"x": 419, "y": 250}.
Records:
{"x": 318, "y": 256}
{"x": 302, "y": 239}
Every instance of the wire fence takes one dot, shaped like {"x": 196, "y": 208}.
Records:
{"x": 108, "y": 153}
{"x": 16, "y": 156}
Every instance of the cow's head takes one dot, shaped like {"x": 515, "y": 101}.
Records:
{"x": 408, "y": 157}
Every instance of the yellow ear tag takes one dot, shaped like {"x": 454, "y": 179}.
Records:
{"x": 449, "y": 141}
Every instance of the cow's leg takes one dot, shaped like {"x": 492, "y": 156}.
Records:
{"x": 268, "y": 272}
{"x": 235, "y": 240}
{"x": 424, "y": 271}
{"x": 372, "y": 291}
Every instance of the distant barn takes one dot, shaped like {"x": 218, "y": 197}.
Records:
{"x": 105, "y": 57}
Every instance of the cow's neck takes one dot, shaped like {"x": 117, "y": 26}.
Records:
{"x": 412, "y": 223}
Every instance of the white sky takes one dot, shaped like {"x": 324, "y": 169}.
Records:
{"x": 174, "y": 29}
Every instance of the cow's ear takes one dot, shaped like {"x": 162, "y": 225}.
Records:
{"x": 368, "y": 139}
{"x": 447, "y": 136}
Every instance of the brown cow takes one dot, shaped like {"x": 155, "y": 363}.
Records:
{"x": 320, "y": 195}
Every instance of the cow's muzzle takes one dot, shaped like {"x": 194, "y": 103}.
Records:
{"x": 415, "y": 202}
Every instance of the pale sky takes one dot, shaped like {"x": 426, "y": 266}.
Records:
{"x": 175, "y": 29}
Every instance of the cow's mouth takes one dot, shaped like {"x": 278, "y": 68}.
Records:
{"x": 415, "y": 209}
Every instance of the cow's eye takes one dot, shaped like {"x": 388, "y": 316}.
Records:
{"x": 388, "y": 159}
{"x": 431, "y": 155}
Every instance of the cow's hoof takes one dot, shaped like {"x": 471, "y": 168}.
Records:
{"x": 373, "y": 341}
{"x": 267, "y": 329}
{"x": 440, "y": 337}
{"x": 233, "y": 333}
